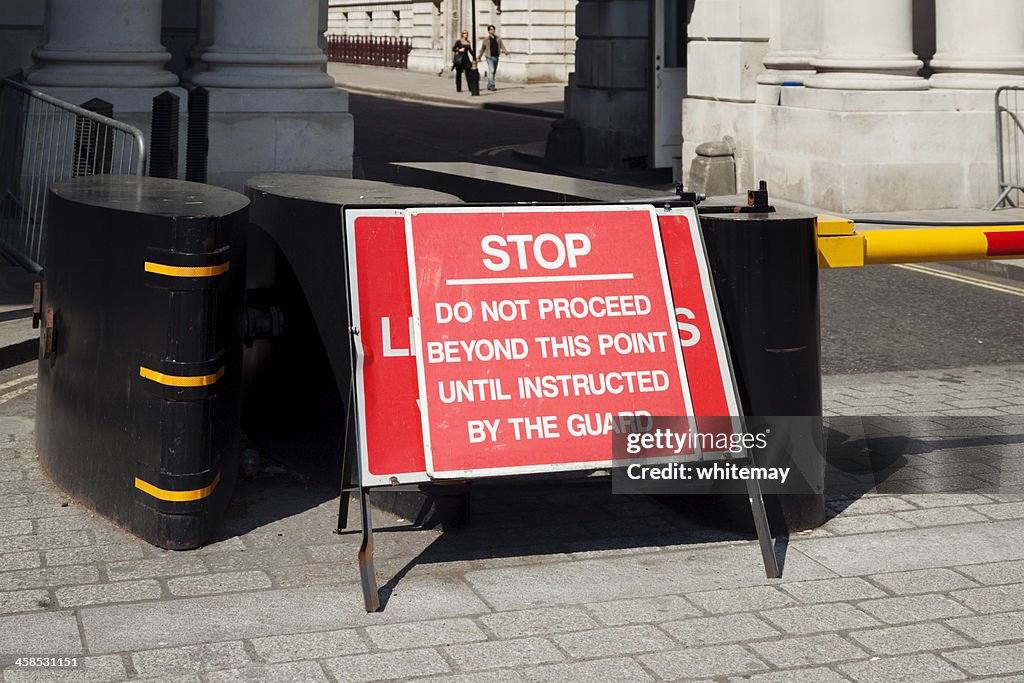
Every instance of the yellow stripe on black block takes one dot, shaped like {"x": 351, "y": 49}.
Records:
{"x": 177, "y": 496}
{"x": 186, "y": 271}
{"x": 179, "y": 380}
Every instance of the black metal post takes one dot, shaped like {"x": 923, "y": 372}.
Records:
{"x": 163, "y": 153}
{"x": 197, "y": 140}
{"x": 472, "y": 13}
{"x": 155, "y": 342}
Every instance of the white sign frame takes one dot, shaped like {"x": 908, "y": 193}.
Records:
{"x": 363, "y": 455}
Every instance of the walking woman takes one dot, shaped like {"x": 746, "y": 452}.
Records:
{"x": 463, "y": 59}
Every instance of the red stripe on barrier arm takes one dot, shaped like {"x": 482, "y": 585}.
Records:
{"x": 1009, "y": 243}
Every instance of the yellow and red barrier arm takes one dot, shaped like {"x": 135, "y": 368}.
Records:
{"x": 840, "y": 245}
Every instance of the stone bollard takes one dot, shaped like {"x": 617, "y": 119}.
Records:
{"x": 713, "y": 172}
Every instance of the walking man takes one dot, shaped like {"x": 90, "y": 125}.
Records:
{"x": 491, "y": 48}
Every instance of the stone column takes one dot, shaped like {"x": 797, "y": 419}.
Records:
{"x": 265, "y": 44}
{"x": 102, "y": 43}
{"x": 608, "y": 93}
{"x": 979, "y": 44}
{"x": 792, "y": 42}
{"x": 867, "y": 45}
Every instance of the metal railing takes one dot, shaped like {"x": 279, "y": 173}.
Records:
{"x": 1009, "y": 132}
{"x": 369, "y": 50}
{"x": 43, "y": 140}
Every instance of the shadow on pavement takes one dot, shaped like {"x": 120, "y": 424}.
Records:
{"x": 917, "y": 455}
{"x": 539, "y": 519}
{"x": 582, "y": 516}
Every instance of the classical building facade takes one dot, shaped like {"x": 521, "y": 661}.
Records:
{"x": 272, "y": 106}
{"x": 879, "y": 104}
{"x": 849, "y": 106}
{"x": 540, "y": 34}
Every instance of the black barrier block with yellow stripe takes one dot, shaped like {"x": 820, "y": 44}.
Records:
{"x": 138, "y": 413}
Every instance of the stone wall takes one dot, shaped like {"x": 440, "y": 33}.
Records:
{"x": 885, "y": 105}
{"x": 728, "y": 42}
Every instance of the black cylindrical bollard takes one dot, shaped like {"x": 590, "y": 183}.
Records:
{"x": 766, "y": 277}
{"x": 141, "y": 351}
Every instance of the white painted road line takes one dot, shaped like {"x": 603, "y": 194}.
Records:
{"x": 20, "y": 380}
{"x": 964, "y": 279}
{"x": 16, "y": 393}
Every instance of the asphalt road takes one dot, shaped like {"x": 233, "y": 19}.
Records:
{"x": 883, "y": 318}
{"x": 394, "y": 130}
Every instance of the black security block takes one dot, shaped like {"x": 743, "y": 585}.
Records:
{"x": 141, "y": 351}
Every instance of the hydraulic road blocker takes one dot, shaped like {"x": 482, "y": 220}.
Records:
{"x": 296, "y": 264}
{"x": 140, "y": 355}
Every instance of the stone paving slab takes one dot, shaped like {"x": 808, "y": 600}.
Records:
{"x": 697, "y": 569}
{"x": 554, "y": 581}
{"x": 861, "y": 554}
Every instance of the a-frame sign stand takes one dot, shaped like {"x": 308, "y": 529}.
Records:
{"x": 764, "y": 534}
{"x": 367, "y": 573}
{"x": 350, "y": 456}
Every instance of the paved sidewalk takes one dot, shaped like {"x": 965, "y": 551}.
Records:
{"x": 537, "y": 99}
{"x": 557, "y": 582}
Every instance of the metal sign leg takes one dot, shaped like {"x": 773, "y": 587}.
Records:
{"x": 367, "y": 573}
{"x": 348, "y": 457}
{"x": 764, "y": 534}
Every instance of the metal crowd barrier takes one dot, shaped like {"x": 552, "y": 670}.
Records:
{"x": 44, "y": 140}
{"x": 1009, "y": 131}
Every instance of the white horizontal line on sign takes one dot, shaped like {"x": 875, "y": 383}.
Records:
{"x": 541, "y": 278}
